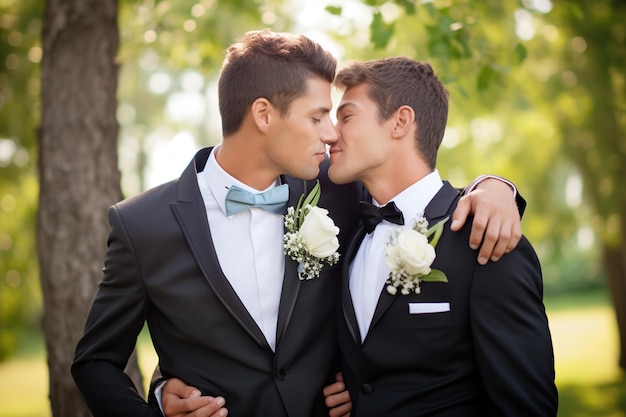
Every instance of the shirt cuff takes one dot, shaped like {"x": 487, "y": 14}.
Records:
{"x": 480, "y": 179}
{"x": 158, "y": 391}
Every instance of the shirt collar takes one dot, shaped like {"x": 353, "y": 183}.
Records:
{"x": 414, "y": 199}
{"x": 221, "y": 181}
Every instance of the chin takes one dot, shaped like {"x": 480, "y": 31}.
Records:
{"x": 308, "y": 175}
{"x": 336, "y": 178}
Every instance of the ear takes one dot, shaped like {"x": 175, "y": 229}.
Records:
{"x": 404, "y": 119}
{"x": 261, "y": 112}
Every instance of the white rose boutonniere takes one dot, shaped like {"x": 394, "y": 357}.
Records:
{"x": 409, "y": 255}
{"x": 311, "y": 239}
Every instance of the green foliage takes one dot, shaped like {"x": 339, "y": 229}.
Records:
{"x": 20, "y": 49}
{"x": 475, "y": 39}
{"x": 164, "y": 44}
{"x": 381, "y": 31}
{"x": 334, "y": 10}
{"x": 588, "y": 98}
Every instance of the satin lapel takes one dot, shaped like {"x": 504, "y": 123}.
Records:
{"x": 439, "y": 206}
{"x": 384, "y": 301}
{"x": 346, "y": 298}
{"x": 291, "y": 282}
{"x": 191, "y": 215}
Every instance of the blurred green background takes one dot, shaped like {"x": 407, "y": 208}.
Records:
{"x": 538, "y": 95}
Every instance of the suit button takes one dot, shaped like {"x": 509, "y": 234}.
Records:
{"x": 281, "y": 374}
{"x": 366, "y": 388}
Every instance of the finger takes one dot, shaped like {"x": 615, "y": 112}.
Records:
{"x": 340, "y": 411}
{"x": 488, "y": 230}
{"x": 337, "y": 399}
{"x": 479, "y": 225}
{"x": 214, "y": 409}
{"x": 334, "y": 389}
{"x": 503, "y": 241}
{"x": 173, "y": 406}
{"x": 175, "y": 386}
{"x": 460, "y": 213}
{"x": 516, "y": 235}
{"x": 339, "y": 377}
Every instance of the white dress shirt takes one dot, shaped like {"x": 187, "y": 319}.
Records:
{"x": 368, "y": 270}
{"x": 249, "y": 247}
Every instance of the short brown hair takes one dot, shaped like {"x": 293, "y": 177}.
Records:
{"x": 272, "y": 65}
{"x": 398, "y": 81}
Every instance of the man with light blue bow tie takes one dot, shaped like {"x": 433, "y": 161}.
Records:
{"x": 201, "y": 259}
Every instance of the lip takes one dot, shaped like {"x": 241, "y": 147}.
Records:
{"x": 334, "y": 150}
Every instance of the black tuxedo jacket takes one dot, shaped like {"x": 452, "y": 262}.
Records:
{"x": 161, "y": 268}
{"x": 489, "y": 355}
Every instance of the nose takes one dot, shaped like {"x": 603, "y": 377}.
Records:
{"x": 329, "y": 135}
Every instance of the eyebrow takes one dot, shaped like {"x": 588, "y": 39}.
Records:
{"x": 321, "y": 110}
{"x": 343, "y": 106}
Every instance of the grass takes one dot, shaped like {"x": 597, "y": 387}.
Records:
{"x": 583, "y": 332}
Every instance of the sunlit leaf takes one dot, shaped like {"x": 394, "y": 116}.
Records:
{"x": 485, "y": 77}
{"x": 520, "y": 53}
{"x": 381, "y": 32}
{"x": 408, "y": 5}
{"x": 334, "y": 10}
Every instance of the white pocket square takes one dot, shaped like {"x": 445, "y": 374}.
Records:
{"x": 422, "y": 308}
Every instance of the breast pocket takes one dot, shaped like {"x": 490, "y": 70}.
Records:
{"x": 426, "y": 315}
{"x": 431, "y": 308}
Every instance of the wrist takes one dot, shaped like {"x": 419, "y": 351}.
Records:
{"x": 481, "y": 179}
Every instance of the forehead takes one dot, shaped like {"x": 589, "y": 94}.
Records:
{"x": 356, "y": 98}
{"x": 317, "y": 91}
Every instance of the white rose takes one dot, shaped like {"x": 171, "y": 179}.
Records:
{"x": 416, "y": 253}
{"x": 392, "y": 258}
{"x": 319, "y": 233}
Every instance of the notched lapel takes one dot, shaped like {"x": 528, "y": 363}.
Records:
{"x": 191, "y": 216}
{"x": 346, "y": 298}
{"x": 291, "y": 282}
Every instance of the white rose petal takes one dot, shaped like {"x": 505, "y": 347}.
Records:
{"x": 319, "y": 233}
{"x": 416, "y": 253}
{"x": 392, "y": 258}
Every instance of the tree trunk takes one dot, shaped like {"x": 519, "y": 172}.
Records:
{"x": 615, "y": 261}
{"x": 78, "y": 175}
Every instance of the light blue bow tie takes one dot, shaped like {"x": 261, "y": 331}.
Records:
{"x": 273, "y": 200}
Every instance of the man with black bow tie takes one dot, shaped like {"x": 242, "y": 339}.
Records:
{"x": 447, "y": 338}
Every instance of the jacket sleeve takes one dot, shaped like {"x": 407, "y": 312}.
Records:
{"x": 116, "y": 317}
{"x": 512, "y": 341}
{"x": 519, "y": 200}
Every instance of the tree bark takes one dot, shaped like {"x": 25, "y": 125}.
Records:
{"x": 615, "y": 261}
{"x": 78, "y": 174}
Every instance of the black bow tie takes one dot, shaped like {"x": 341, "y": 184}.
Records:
{"x": 372, "y": 215}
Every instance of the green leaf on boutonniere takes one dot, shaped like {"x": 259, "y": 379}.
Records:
{"x": 312, "y": 198}
{"x": 434, "y": 276}
{"x": 437, "y": 229}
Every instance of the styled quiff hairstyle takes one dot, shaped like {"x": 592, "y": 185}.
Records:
{"x": 399, "y": 81}
{"x": 272, "y": 65}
